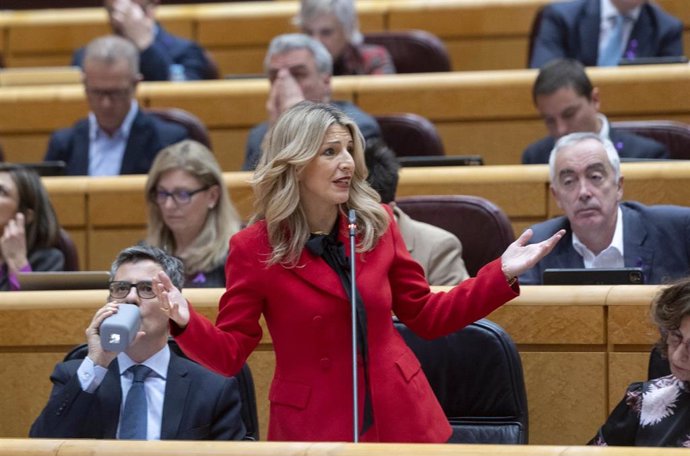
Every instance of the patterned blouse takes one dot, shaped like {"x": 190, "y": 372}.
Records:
{"x": 364, "y": 59}
{"x": 655, "y": 413}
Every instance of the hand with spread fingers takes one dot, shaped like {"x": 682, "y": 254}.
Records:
{"x": 13, "y": 244}
{"x": 520, "y": 256}
{"x": 171, "y": 299}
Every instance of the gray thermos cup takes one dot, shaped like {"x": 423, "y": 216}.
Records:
{"x": 118, "y": 330}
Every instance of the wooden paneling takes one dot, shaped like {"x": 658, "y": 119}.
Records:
{"x": 575, "y": 370}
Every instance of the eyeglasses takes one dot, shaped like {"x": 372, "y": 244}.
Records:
{"x": 114, "y": 94}
{"x": 675, "y": 339}
{"x": 120, "y": 289}
{"x": 179, "y": 196}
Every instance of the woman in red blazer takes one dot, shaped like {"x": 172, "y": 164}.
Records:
{"x": 312, "y": 171}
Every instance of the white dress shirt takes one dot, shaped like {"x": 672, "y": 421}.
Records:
{"x": 611, "y": 256}
{"x": 607, "y": 22}
{"x": 91, "y": 376}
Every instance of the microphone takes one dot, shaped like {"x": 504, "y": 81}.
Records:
{"x": 118, "y": 330}
{"x": 352, "y": 225}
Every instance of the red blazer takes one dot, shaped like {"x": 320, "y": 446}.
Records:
{"x": 308, "y": 315}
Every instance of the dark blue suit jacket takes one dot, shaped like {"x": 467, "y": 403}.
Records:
{"x": 655, "y": 238}
{"x": 367, "y": 125}
{"x": 571, "y": 29}
{"x": 628, "y": 146}
{"x": 147, "y": 137}
{"x": 198, "y": 405}
{"x": 167, "y": 49}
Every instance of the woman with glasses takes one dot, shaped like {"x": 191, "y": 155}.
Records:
{"x": 190, "y": 212}
{"x": 29, "y": 229}
{"x": 656, "y": 413}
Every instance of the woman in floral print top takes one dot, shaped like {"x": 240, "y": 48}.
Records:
{"x": 657, "y": 412}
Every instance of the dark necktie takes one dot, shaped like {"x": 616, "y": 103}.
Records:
{"x": 333, "y": 252}
{"x": 134, "y": 415}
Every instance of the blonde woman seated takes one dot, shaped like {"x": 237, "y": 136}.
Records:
{"x": 190, "y": 212}
{"x": 29, "y": 229}
{"x": 656, "y": 413}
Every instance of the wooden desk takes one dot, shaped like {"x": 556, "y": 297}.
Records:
{"x": 580, "y": 347}
{"x": 485, "y": 113}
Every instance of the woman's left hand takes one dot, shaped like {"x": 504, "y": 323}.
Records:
{"x": 171, "y": 300}
{"x": 13, "y": 244}
{"x": 520, "y": 256}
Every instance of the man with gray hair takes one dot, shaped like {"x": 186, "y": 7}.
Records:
{"x": 300, "y": 68}
{"x": 602, "y": 231}
{"x": 181, "y": 399}
{"x": 117, "y": 137}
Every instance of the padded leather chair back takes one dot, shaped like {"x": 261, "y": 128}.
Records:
{"x": 674, "y": 135}
{"x": 477, "y": 377}
{"x": 658, "y": 365}
{"x": 410, "y": 134}
{"x": 413, "y": 51}
{"x": 483, "y": 228}
{"x": 194, "y": 126}
{"x": 69, "y": 251}
{"x": 244, "y": 379}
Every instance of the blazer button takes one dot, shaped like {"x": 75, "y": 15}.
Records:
{"x": 317, "y": 319}
{"x": 325, "y": 363}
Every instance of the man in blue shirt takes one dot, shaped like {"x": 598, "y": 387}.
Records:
{"x": 117, "y": 137}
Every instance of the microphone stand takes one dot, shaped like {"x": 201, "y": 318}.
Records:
{"x": 352, "y": 226}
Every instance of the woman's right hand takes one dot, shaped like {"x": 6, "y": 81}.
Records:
{"x": 171, "y": 300}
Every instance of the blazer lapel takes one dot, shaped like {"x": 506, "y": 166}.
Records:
{"x": 110, "y": 393}
{"x": 136, "y": 144}
{"x": 641, "y": 42}
{"x": 174, "y": 400}
{"x": 79, "y": 163}
{"x": 636, "y": 254}
{"x": 588, "y": 29}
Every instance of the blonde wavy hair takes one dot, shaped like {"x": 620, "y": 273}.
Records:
{"x": 210, "y": 247}
{"x": 290, "y": 145}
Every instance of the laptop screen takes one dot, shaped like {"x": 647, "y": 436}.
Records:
{"x": 593, "y": 276}
{"x": 61, "y": 280}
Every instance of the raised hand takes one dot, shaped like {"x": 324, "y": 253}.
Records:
{"x": 13, "y": 244}
{"x": 285, "y": 93}
{"x": 133, "y": 21}
{"x": 171, "y": 299}
{"x": 520, "y": 256}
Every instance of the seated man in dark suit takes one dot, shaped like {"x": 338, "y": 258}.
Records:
{"x": 184, "y": 401}
{"x": 117, "y": 137}
{"x": 163, "y": 56}
{"x": 602, "y": 232}
{"x": 601, "y": 32}
{"x": 437, "y": 250}
{"x": 300, "y": 68}
{"x": 566, "y": 100}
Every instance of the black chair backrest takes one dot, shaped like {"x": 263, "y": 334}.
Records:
{"x": 244, "y": 379}
{"x": 658, "y": 365}
{"x": 410, "y": 135}
{"x": 476, "y": 374}
{"x": 195, "y": 127}
{"x": 674, "y": 135}
{"x": 483, "y": 228}
{"x": 413, "y": 51}
{"x": 69, "y": 251}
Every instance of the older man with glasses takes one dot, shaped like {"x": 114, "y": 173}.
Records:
{"x": 117, "y": 137}
{"x": 146, "y": 392}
